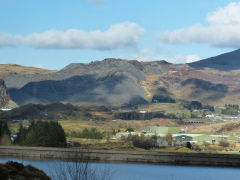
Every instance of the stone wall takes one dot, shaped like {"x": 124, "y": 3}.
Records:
{"x": 203, "y": 159}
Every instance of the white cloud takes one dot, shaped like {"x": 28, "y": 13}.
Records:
{"x": 122, "y": 35}
{"x": 148, "y": 55}
{"x": 229, "y": 15}
{"x": 223, "y": 29}
{"x": 39, "y": 66}
{"x": 143, "y": 55}
{"x": 8, "y": 39}
{"x": 183, "y": 59}
{"x": 98, "y": 1}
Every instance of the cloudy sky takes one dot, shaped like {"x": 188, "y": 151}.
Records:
{"x": 54, "y": 33}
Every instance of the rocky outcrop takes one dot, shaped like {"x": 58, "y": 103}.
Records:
{"x": 111, "y": 81}
{"x": 4, "y": 96}
{"x": 14, "y": 170}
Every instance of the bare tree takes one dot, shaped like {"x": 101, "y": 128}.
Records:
{"x": 77, "y": 167}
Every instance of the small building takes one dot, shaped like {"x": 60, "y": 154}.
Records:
{"x": 142, "y": 111}
{"x": 210, "y": 116}
{"x": 126, "y": 134}
{"x": 193, "y": 137}
{"x": 5, "y": 109}
{"x": 183, "y": 138}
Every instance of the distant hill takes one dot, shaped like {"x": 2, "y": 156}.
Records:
{"x": 118, "y": 81}
{"x": 224, "y": 62}
{"x": 8, "y": 69}
{"x": 111, "y": 81}
{"x": 52, "y": 111}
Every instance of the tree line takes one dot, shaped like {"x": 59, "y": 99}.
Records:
{"x": 39, "y": 133}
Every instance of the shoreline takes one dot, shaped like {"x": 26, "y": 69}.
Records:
{"x": 110, "y": 156}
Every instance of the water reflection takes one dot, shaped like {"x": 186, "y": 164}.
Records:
{"x": 147, "y": 172}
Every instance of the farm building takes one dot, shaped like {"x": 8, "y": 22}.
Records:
{"x": 183, "y": 138}
{"x": 197, "y": 137}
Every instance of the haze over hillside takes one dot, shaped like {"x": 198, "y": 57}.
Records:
{"x": 118, "y": 81}
{"x": 224, "y": 62}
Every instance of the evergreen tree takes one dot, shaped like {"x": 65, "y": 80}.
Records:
{"x": 42, "y": 133}
{"x": 4, "y": 134}
{"x": 21, "y": 135}
{"x": 4, "y": 128}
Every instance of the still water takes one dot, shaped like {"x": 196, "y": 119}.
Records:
{"x": 149, "y": 172}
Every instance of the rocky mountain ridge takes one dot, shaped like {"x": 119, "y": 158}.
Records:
{"x": 118, "y": 81}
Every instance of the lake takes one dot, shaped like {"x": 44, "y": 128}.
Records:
{"x": 148, "y": 171}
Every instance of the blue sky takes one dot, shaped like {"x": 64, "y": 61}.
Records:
{"x": 52, "y": 34}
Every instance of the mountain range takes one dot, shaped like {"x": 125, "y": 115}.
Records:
{"x": 116, "y": 81}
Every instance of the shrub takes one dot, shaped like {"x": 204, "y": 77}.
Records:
{"x": 188, "y": 145}
{"x": 230, "y": 111}
{"x": 194, "y": 115}
{"x": 143, "y": 142}
{"x": 89, "y": 134}
{"x": 192, "y": 105}
{"x": 205, "y": 143}
{"x": 163, "y": 99}
{"x": 4, "y": 134}
{"x": 129, "y": 129}
{"x": 223, "y": 143}
{"x": 4, "y": 128}
{"x": 169, "y": 138}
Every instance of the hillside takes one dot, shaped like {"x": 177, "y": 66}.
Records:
{"x": 224, "y": 62}
{"x": 111, "y": 81}
{"x": 119, "y": 81}
{"x": 8, "y": 69}
{"x": 53, "y": 111}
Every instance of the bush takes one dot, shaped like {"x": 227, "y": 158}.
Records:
{"x": 143, "y": 142}
{"x": 163, "y": 99}
{"x": 171, "y": 116}
{"x": 129, "y": 129}
{"x": 89, "y": 134}
{"x": 188, "y": 145}
{"x": 194, "y": 115}
{"x": 231, "y": 109}
{"x": 4, "y": 128}
{"x": 206, "y": 144}
{"x": 169, "y": 138}
{"x": 224, "y": 143}
{"x": 4, "y": 134}
{"x": 192, "y": 105}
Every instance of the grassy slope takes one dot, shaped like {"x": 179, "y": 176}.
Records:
{"x": 217, "y": 128}
{"x": 172, "y": 82}
{"x": 7, "y": 69}
{"x": 109, "y": 126}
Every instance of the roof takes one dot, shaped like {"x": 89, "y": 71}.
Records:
{"x": 190, "y": 135}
